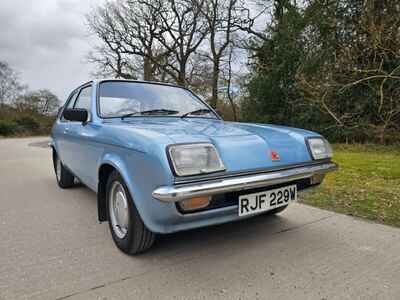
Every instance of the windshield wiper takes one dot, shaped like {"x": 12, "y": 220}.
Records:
{"x": 201, "y": 111}
{"x": 151, "y": 112}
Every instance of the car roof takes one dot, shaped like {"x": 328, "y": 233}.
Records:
{"x": 98, "y": 81}
{"x": 138, "y": 81}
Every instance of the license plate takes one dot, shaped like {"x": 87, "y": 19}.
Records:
{"x": 267, "y": 200}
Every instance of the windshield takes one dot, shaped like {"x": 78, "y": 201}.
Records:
{"x": 124, "y": 98}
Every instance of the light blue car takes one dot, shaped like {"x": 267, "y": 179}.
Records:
{"x": 161, "y": 160}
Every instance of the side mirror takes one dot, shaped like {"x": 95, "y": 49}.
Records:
{"x": 76, "y": 114}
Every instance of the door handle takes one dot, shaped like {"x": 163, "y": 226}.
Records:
{"x": 66, "y": 130}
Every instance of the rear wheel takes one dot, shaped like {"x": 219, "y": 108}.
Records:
{"x": 129, "y": 232}
{"x": 65, "y": 178}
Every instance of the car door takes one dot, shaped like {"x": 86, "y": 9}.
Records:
{"x": 83, "y": 152}
{"x": 61, "y": 131}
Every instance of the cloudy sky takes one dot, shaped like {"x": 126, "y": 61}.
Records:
{"x": 46, "y": 42}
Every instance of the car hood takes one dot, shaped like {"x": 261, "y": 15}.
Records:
{"x": 242, "y": 146}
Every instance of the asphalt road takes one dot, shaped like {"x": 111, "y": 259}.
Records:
{"x": 52, "y": 247}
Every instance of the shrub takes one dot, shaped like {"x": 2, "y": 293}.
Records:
{"x": 28, "y": 123}
{"x": 8, "y": 128}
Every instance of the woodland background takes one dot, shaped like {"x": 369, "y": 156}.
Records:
{"x": 328, "y": 66}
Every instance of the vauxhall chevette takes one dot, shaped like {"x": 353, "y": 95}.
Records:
{"x": 161, "y": 160}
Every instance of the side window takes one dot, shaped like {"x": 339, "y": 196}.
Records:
{"x": 84, "y": 99}
{"x": 69, "y": 104}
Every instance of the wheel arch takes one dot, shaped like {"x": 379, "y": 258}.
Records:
{"x": 53, "y": 153}
{"x": 105, "y": 171}
{"x": 109, "y": 164}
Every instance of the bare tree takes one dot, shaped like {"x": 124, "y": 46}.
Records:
{"x": 154, "y": 35}
{"x": 111, "y": 62}
{"x": 229, "y": 80}
{"x": 199, "y": 73}
{"x": 10, "y": 87}
{"x": 223, "y": 18}
{"x": 128, "y": 31}
{"x": 250, "y": 18}
{"x": 43, "y": 102}
{"x": 182, "y": 31}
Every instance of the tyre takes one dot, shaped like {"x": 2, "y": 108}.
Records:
{"x": 129, "y": 232}
{"x": 277, "y": 210}
{"x": 65, "y": 178}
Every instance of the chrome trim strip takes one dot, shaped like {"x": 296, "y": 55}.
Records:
{"x": 177, "y": 193}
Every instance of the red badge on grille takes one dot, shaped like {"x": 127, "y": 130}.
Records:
{"x": 275, "y": 155}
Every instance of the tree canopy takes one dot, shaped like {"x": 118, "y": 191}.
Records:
{"x": 328, "y": 66}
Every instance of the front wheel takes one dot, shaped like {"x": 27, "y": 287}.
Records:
{"x": 129, "y": 232}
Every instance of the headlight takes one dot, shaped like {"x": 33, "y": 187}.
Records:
{"x": 193, "y": 159}
{"x": 319, "y": 148}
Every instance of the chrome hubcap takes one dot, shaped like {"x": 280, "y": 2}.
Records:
{"x": 58, "y": 169}
{"x": 119, "y": 210}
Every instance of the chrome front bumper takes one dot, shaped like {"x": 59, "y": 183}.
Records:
{"x": 180, "y": 192}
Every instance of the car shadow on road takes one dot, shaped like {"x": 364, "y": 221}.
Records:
{"x": 212, "y": 238}
{"x": 221, "y": 238}
{"x": 41, "y": 144}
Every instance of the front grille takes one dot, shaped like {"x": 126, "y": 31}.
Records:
{"x": 232, "y": 198}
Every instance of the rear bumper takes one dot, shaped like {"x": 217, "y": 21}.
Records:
{"x": 177, "y": 193}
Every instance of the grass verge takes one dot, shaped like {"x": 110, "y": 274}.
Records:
{"x": 367, "y": 184}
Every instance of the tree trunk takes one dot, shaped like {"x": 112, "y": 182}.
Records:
{"x": 215, "y": 77}
{"x": 229, "y": 94}
{"x": 381, "y": 134}
{"x": 147, "y": 69}
{"x": 182, "y": 74}
{"x": 235, "y": 118}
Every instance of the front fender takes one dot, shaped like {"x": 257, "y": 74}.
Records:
{"x": 142, "y": 173}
